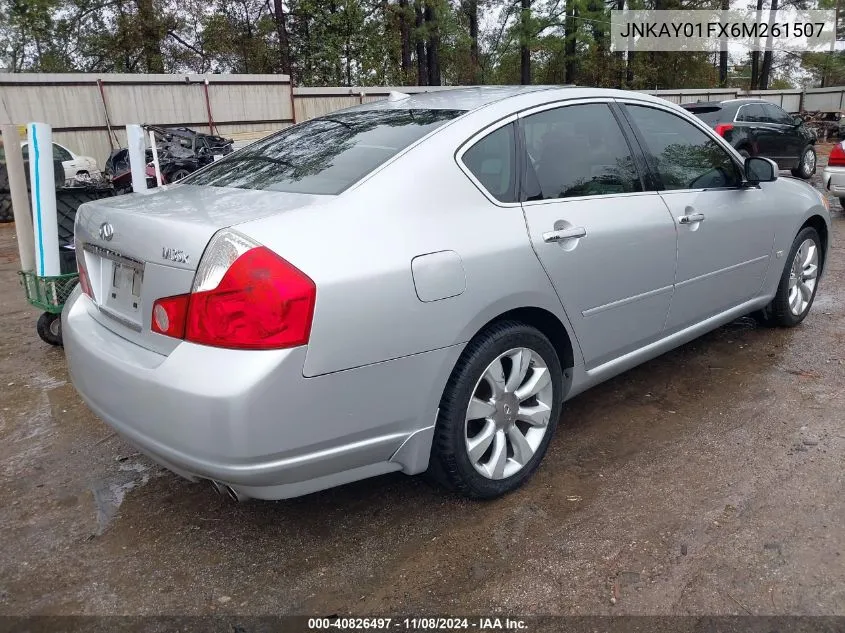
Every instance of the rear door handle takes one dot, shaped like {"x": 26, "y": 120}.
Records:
{"x": 690, "y": 218}
{"x": 565, "y": 234}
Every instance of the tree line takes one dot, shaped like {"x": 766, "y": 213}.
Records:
{"x": 384, "y": 42}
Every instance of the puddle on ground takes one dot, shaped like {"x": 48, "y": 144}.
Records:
{"x": 109, "y": 495}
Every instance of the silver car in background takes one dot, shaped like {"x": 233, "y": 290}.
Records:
{"x": 833, "y": 176}
{"x": 418, "y": 284}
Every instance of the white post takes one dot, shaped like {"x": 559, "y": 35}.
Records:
{"x": 43, "y": 184}
{"x": 17, "y": 188}
{"x": 137, "y": 157}
{"x": 155, "y": 157}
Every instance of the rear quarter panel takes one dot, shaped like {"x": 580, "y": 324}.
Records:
{"x": 359, "y": 248}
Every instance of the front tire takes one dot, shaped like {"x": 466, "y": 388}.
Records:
{"x": 498, "y": 412}
{"x": 798, "y": 283}
{"x": 806, "y": 164}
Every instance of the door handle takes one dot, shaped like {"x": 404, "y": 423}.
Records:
{"x": 565, "y": 234}
{"x": 690, "y": 218}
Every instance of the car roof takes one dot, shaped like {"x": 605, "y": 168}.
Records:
{"x": 704, "y": 104}
{"x": 477, "y": 97}
{"x": 468, "y": 99}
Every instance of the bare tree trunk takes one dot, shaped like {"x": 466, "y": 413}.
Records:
{"x": 766, "y": 68}
{"x": 150, "y": 37}
{"x": 524, "y": 46}
{"x": 569, "y": 29}
{"x": 618, "y": 55}
{"x": 755, "y": 55}
{"x": 471, "y": 11}
{"x": 433, "y": 44}
{"x": 422, "y": 61}
{"x": 723, "y": 53}
{"x": 405, "y": 37}
{"x": 282, "y": 32}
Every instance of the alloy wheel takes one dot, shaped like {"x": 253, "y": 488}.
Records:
{"x": 809, "y": 162}
{"x": 508, "y": 413}
{"x": 803, "y": 276}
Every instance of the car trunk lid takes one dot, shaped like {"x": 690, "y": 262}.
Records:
{"x": 142, "y": 247}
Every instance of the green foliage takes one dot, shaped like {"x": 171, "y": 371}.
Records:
{"x": 359, "y": 42}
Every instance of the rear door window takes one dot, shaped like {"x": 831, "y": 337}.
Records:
{"x": 491, "y": 161}
{"x": 578, "y": 150}
{"x": 752, "y": 113}
{"x": 325, "y": 155}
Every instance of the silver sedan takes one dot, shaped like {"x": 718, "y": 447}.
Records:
{"x": 833, "y": 176}
{"x": 419, "y": 284}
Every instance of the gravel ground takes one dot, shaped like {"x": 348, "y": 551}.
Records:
{"x": 708, "y": 481}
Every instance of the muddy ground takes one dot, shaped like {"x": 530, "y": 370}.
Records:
{"x": 708, "y": 481}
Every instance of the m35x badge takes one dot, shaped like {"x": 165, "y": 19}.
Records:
{"x": 174, "y": 255}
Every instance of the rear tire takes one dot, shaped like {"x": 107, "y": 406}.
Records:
{"x": 507, "y": 447}
{"x": 795, "y": 295}
{"x": 806, "y": 164}
{"x": 50, "y": 328}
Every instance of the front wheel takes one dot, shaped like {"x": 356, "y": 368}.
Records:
{"x": 806, "y": 164}
{"x": 498, "y": 412}
{"x": 798, "y": 283}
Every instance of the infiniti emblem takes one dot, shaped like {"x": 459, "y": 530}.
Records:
{"x": 106, "y": 231}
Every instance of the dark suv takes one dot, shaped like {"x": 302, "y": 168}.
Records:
{"x": 758, "y": 128}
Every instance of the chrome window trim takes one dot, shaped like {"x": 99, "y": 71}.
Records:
{"x": 598, "y": 196}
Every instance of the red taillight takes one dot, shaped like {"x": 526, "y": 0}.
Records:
{"x": 169, "y": 315}
{"x": 837, "y": 156}
{"x": 261, "y": 302}
{"x": 723, "y": 128}
{"x": 82, "y": 269}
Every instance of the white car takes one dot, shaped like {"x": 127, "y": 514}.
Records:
{"x": 833, "y": 175}
{"x": 76, "y": 166}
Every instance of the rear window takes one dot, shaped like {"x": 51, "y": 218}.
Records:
{"x": 324, "y": 155}
{"x": 709, "y": 114}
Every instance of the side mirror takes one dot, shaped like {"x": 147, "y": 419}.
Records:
{"x": 759, "y": 169}
{"x": 797, "y": 120}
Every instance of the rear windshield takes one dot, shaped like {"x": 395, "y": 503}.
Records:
{"x": 324, "y": 155}
{"x": 709, "y": 114}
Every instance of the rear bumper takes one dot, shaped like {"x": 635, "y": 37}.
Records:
{"x": 250, "y": 419}
{"x": 834, "y": 180}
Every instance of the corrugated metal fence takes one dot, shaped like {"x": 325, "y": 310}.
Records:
{"x": 88, "y": 112}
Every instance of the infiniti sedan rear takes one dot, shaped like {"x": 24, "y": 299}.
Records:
{"x": 418, "y": 284}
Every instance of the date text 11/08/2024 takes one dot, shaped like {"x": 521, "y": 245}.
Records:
{"x": 418, "y": 624}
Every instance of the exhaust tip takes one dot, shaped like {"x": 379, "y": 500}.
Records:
{"x": 234, "y": 495}
{"x": 226, "y": 490}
